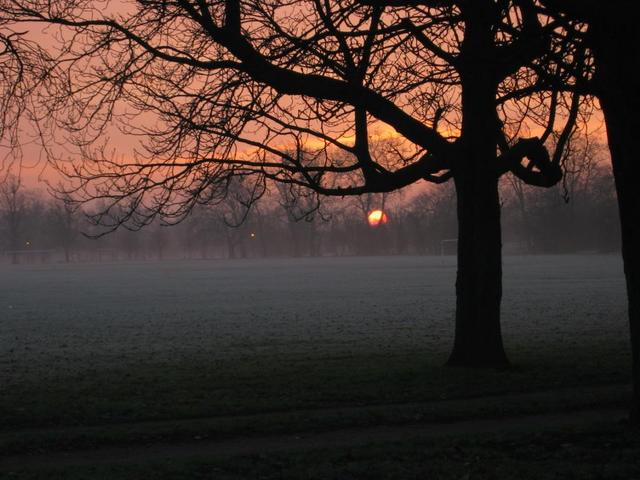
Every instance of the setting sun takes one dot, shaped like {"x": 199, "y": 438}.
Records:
{"x": 377, "y": 218}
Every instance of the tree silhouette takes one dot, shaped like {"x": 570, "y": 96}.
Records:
{"x": 613, "y": 38}
{"x": 21, "y": 62}
{"x": 222, "y": 89}
{"x": 65, "y": 226}
{"x": 11, "y": 75}
{"x": 13, "y": 204}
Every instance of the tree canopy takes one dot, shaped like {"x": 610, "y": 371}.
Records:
{"x": 225, "y": 88}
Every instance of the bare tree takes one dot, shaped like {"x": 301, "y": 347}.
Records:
{"x": 12, "y": 72}
{"x": 231, "y": 84}
{"x": 301, "y": 206}
{"x": 614, "y": 40}
{"x": 66, "y": 225}
{"x": 241, "y": 193}
{"x": 12, "y": 209}
{"x": 22, "y": 63}
{"x": 580, "y": 162}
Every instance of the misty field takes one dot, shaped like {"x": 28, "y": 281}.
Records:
{"x": 79, "y": 316}
{"x": 155, "y": 340}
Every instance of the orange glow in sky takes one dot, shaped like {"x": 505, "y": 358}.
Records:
{"x": 377, "y": 218}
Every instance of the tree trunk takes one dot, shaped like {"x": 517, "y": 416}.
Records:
{"x": 622, "y": 126}
{"x": 231, "y": 248}
{"x": 478, "y": 337}
{"x": 295, "y": 237}
{"x": 617, "y": 55}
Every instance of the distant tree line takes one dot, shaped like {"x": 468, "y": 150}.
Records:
{"x": 576, "y": 216}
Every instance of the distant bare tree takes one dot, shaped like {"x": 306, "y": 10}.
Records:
{"x": 241, "y": 193}
{"x": 158, "y": 240}
{"x": 66, "y": 224}
{"x": 12, "y": 208}
{"x": 581, "y": 160}
{"x": 301, "y": 206}
{"x": 431, "y": 217}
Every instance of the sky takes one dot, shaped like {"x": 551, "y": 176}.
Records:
{"x": 35, "y": 171}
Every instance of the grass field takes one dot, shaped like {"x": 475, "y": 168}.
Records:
{"x": 69, "y": 318}
{"x": 283, "y": 343}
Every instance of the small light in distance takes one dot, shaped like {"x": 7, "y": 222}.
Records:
{"x": 253, "y": 235}
{"x": 377, "y": 218}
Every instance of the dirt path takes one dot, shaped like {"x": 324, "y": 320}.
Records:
{"x": 342, "y": 438}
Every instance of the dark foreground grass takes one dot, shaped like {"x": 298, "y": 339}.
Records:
{"x": 190, "y": 389}
{"x": 172, "y": 402}
{"x": 198, "y": 387}
{"x": 304, "y": 422}
{"x": 594, "y": 452}
{"x": 191, "y": 398}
